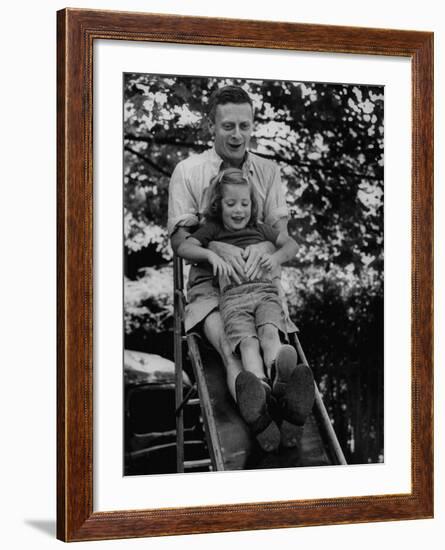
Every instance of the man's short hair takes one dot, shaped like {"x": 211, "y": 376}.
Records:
{"x": 227, "y": 94}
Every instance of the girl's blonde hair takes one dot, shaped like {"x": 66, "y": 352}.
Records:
{"x": 233, "y": 176}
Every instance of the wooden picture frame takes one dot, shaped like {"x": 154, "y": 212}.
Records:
{"x": 77, "y": 31}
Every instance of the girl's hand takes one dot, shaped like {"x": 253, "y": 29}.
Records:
{"x": 220, "y": 267}
{"x": 269, "y": 262}
{"x": 231, "y": 255}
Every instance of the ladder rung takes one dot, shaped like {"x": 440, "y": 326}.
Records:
{"x": 192, "y": 464}
{"x": 194, "y": 401}
{"x": 186, "y": 399}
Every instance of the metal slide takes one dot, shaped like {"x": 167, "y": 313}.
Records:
{"x": 229, "y": 442}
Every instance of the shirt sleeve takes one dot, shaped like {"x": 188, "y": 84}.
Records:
{"x": 269, "y": 233}
{"x": 182, "y": 208}
{"x": 206, "y": 233}
{"x": 275, "y": 204}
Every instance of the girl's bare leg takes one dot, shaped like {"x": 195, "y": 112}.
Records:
{"x": 214, "y": 331}
{"x": 269, "y": 337}
{"x": 251, "y": 356}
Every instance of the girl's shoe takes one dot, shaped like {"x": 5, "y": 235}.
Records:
{"x": 252, "y": 404}
{"x": 296, "y": 404}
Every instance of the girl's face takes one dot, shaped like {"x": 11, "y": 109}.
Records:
{"x": 236, "y": 206}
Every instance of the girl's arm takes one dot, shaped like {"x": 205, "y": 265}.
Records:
{"x": 191, "y": 249}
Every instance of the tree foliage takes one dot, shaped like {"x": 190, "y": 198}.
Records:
{"x": 327, "y": 139}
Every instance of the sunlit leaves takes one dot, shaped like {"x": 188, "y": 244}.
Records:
{"x": 327, "y": 139}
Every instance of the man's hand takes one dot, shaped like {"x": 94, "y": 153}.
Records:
{"x": 232, "y": 255}
{"x": 253, "y": 255}
{"x": 269, "y": 262}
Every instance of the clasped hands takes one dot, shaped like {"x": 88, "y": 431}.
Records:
{"x": 241, "y": 264}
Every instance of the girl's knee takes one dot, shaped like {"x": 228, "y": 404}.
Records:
{"x": 268, "y": 333}
{"x": 249, "y": 344}
{"x": 225, "y": 348}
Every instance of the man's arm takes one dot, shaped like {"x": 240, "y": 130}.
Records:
{"x": 286, "y": 250}
{"x": 178, "y": 237}
{"x": 275, "y": 207}
{"x": 281, "y": 226}
{"x": 182, "y": 212}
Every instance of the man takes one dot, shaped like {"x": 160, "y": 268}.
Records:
{"x": 231, "y": 123}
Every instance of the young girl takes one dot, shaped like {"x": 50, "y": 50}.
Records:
{"x": 252, "y": 313}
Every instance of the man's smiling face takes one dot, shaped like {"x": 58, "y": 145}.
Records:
{"x": 232, "y": 130}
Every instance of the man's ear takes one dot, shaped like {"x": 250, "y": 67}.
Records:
{"x": 211, "y": 126}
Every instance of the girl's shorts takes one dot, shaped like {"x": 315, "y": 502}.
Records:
{"x": 247, "y": 307}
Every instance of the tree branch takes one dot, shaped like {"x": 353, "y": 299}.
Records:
{"x": 147, "y": 161}
{"x": 275, "y": 157}
{"x": 312, "y": 166}
{"x": 167, "y": 141}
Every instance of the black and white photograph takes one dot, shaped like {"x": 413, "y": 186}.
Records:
{"x": 253, "y": 273}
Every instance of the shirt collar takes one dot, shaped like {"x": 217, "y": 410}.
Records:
{"x": 217, "y": 161}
